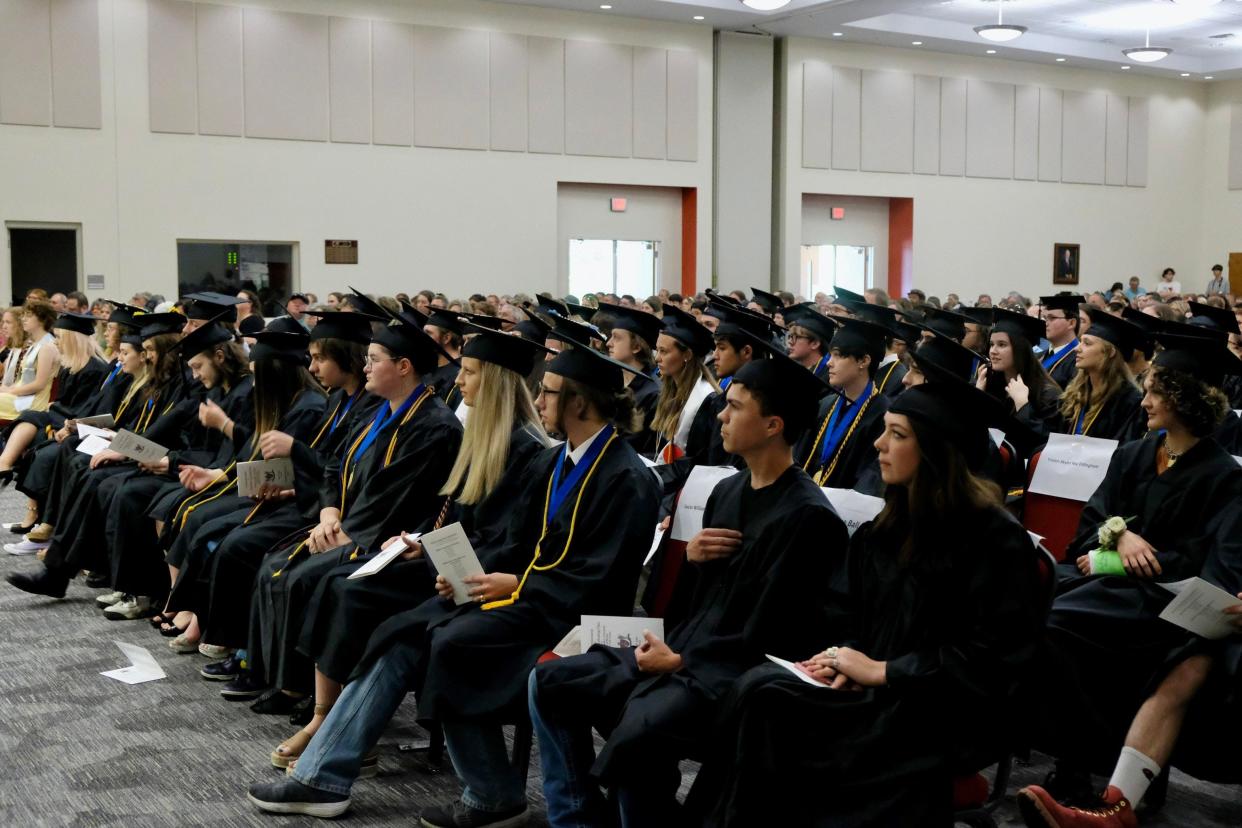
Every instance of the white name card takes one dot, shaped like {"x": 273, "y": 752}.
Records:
{"x": 855, "y": 508}
{"x": 688, "y": 519}
{"x": 1072, "y": 466}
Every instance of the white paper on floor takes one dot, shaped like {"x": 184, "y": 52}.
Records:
{"x": 142, "y": 665}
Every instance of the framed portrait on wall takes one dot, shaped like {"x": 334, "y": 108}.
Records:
{"x": 1065, "y": 264}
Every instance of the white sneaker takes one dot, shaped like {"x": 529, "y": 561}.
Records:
{"x": 129, "y": 608}
{"x": 26, "y": 547}
{"x": 107, "y": 599}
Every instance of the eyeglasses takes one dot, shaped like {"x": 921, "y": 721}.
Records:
{"x": 548, "y": 392}
{"x": 370, "y": 360}
{"x": 794, "y": 337}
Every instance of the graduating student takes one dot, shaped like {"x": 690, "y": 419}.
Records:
{"x": 942, "y": 628}
{"x": 769, "y": 536}
{"x": 839, "y": 451}
{"x": 1177, "y": 492}
{"x": 944, "y": 322}
{"x": 1145, "y": 348}
{"x": 1060, "y": 314}
{"x": 685, "y": 386}
{"x": 891, "y": 370}
{"x": 1014, "y": 376}
{"x": 632, "y": 341}
{"x": 575, "y": 546}
{"x": 1220, "y": 320}
{"x": 978, "y": 331}
{"x": 389, "y": 476}
{"x": 810, "y": 333}
{"x": 488, "y": 478}
{"x": 445, "y": 329}
{"x": 1102, "y": 399}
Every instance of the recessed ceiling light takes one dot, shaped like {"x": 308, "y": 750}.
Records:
{"x": 699, "y": 17}
{"x": 1060, "y": 60}
{"x": 765, "y": 5}
{"x": 1185, "y": 74}
{"x": 838, "y": 34}
{"x": 991, "y": 51}
{"x": 1125, "y": 67}
{"x": 1207, "y": 77}
{"x": 605, "y": 7}
{"x": 916, "y": 43}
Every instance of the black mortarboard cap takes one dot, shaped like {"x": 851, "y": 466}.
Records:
{"x": 843, "y": 294}
{"x": 83, "y": 323}
{"x": 957, "y": 412}
{"x": 735, "y": 319}
{"x": 979, "y": 316}
{"x": 942, "y": 359}
{"x": 445, "y": 320}
{"x": 644, "y": 325}
{"x": 211, "y": 305}
{"x": 154, "y": 324}
{"x": 345, "y": 325}
{"x": 791, "y": 390}
{"x": 583, "y": 311}
{"x": 1123, "y": 335}
{"x": 1208, "y": 359}
{"x": 688, "y": 331}
{"x": 945, "y": 323}
{"x": 482, "y": 320}
{"x": 506, "y": 350}
{"x": 1210, "y": 316}
{"x": 770, "y": 302}
{"x": 1148, "y": 324}
{"x": 858, "y": 335}
{"x": 1068, "y": 303}
{"x": 283, "y": 345}
{"x": 547, "y": 304}
{"x": 285, "y": 324}
{"x": 565, "y": 330}
{"x": 1029, "y": 328}
{"x": 589, "y": 367}
{"x": 407, "y": 340}
{"x": 805, "y": 316}
{"x": 202, "y": 338}
{"x": 533, "y": 328}
{"x": 868, "y": 312}
{"x": 368, "y": 305}
{"x": 251, "y": 325}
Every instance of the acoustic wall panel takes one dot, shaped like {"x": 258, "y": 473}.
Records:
{"x": 887, "y": 121}
{"x": 816, "y": 115}
{"x": 650, "y": 102}
{"x": 219, "y": 46}
{"x": 451, "y": 82}
{"x": 173, "y": 97}
{"x": 392, "y": 83}
{"x": 1117, "y": 116}
{"x": 926, "y": 124}
{"x": 952, "y": 126}
{"x": 507, "y": 66}
{"x": 599, "y": 99}
{"x": 1136, "y": 144}
{"x": 75, "y": 64}
{"x": 1049, "y": 134}
{"x": 1082, "y": 136}
{"x": 683, "y": 105}
{"x": 349, "y": 81}
{"x": 1026, "y": 133}
{"x": 546, "y": 91}
{"x": 846, "y": 116}
{"x": 1235, "y": 146}
{"x": 25, "y": 63}
{"x": 286, "y": 74}
{"x": 989, "y": 129}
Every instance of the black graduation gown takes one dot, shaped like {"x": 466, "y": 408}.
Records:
{"x": 1041, "y": 407}
{"x": 231, "y": 568}
{"x": 646, "y": 391}
{"x": 383, "y": 496}
{"x": 957, "y": 625}
{"x": 888, "y": 378}
{"x": 704, "y": 447}
{"x": 74, "y": 392}
{"x": 443, "y": 379}
{"x": 1229, "y": 433}
{"x": 774, "y": 595}
{"x": 1121, "y": 418}
{"x": 854, "y": 464}
{"x": 342, "y": 613}
{"x": 474, "y": 663}
{"x": 1106, "y": 647}
{"x": 1063, "y": 370}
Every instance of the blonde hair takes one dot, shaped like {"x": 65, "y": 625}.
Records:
{"x": 18, "y": 339}
{"x": 1114, "y": 376}
{"x": 76, "y": 349}
{"x": 675, "y": 392}
{"x": 503, "y": 403}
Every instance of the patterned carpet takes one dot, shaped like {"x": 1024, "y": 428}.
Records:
{"x": 79, "y": 749}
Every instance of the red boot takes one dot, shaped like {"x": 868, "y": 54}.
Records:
{"x": 1040, "y": 810}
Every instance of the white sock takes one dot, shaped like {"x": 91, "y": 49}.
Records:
{"x": 1134, "y": 772}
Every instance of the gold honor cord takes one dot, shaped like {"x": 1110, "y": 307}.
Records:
{"x": 824, "y": 475}
{"x": 191, "y": 503}
{"x": 892, "y": 366}
{"x": 326, "y": 424}
{"x": 1091, "y": 421}
{"x": 573, "y": 520}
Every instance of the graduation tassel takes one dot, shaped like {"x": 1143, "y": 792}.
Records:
{"x": 292, "y": 555}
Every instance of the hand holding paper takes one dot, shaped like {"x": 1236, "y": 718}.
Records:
{"x": 453, "y": 557}
{"x": 1203, "y": 608}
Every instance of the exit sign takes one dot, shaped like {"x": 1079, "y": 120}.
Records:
{"x": 838, "y": 213}
{"x": 617, "y": 205}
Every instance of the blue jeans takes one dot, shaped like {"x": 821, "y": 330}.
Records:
{"x": 332, "y": 760}
{"x": 566, "y": 753}
{"x": 490, "y": 782}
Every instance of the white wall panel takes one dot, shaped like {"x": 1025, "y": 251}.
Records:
{"x": 1116, "y": 139}
{"x": 683, "y": 105}
{"x": 650, "y": 102}
{"x": 451, "y": 82}
{"x": 286, "y": 74}
{"x": 952, "y": 126}
{"x": 1082, "y": 136}
{"x": 816, "y": 115}
{"x": 172, "y": 94}
{"x": 25, "y": 63}
{"x": 75, "y": 64}
{"x": 349, "y": 81}
{"x": 1026, "y": 133}
{"x": 1235, "y": 146}
{"x": 846, "y": 128}
{"x": 546, "y": 67}
{"x": 989, "y": 129}
{"x": 392, "y": 83}
{"x": 887, "y": 130}
{"x": 507, "y": 65}
{"x": 599, "y": 98}
{"x": 1049, "y": 134}
{"x": 926, "y": 124}
{"x": 218, "y": 36}
{"x": 1136, "y": 143}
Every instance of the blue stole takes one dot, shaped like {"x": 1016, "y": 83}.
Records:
{"x": 562, "y": 488}
{"x": 839, "y": 423}
{"x": 1054, "y": 357}
{"x": 381, "y": 421}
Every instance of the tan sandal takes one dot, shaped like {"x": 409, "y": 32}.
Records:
{"x": 290, "y": 749}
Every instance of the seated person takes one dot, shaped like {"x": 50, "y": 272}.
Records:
{"x": 769, "y": 535}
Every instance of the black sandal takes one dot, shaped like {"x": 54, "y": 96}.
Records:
{"x": 170, "y": 630}
{"x": 159, "y": 621}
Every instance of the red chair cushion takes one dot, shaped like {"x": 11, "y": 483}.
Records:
{"x": 969, "y": 792}
{"x": 1053, "y": 517}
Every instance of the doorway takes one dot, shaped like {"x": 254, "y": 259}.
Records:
{"x": 826, "y": 267}
{"x": 614, "y": 266}
{"x": 267, "y": 268}
{"x": 46, "y": 256}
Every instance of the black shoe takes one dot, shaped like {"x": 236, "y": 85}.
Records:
{"x": 245, "y": 686}
{"x": 289, "y": 796}
{"x": 225, "y": 670}
{"x": 6, "y": 477}
{"x": 274, "y": 702}
{"x": 43, "y": 582}
{"x": 461, "y": 815}
{"x": 97, "y": 580}
{"x": 303, "y": 712}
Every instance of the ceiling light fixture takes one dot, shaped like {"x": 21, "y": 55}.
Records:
{"x": 916, "y": 43}
{"x": 1060, "y": 60}
{"x": 699, "y": 17}
{"x": 1147, "y": 53}
{"x": 605, "y": 7}
{"x": 1207, "y": 77}
{"x": 991, "y": 51}
{"x": 1125, "y": 67}
{"x": 1185, "y": 74}
{"x": 1002, "y": 32}
{"x": 766, "y": 5}
{"x": 838, "y": 34}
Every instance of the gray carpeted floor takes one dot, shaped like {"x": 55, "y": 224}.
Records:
{"x": 79, "y": 749}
